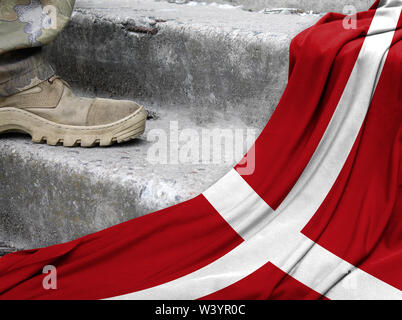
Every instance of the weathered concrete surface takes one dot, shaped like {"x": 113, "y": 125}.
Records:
{"x": 305, "y": 5}
{"x": 53, "y": 194}
{"x": 208, "y": 57}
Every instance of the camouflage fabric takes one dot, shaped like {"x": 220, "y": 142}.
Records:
{"x": 26, "y": 26}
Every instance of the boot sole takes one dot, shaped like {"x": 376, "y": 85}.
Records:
{"x": 42, "y": 130}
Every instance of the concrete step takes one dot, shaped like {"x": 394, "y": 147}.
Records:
{"x": 195, "y": 68}
{"x": 303, "y": 5}
{"x": 207, "y": 57}
{"x": 51, "y": 194}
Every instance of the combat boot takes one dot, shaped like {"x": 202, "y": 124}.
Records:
{"x": 51, "y": 113}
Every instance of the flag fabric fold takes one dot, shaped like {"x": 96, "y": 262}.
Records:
{"x": 319, "y": 218}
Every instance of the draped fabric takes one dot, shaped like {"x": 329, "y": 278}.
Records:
{"x": 319, "y": 218}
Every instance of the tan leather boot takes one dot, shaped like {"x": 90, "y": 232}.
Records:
{"x": 51, "y": 112}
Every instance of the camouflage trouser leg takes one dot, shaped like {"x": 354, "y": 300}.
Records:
{"x": 25, "y": 26}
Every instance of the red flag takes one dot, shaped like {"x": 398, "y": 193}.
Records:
{"x": 320, "y": 216}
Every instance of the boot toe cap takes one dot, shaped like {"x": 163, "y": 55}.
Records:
{"x": 105, "y": 111}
